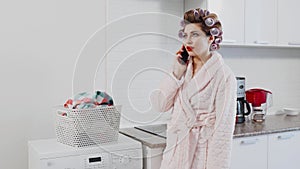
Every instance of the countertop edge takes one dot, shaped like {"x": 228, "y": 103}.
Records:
{"x": 265, "y": 132}
{"x": 144, "y": 142}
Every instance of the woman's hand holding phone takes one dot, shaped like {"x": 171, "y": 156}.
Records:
{"x": 181, "y": 62}
{"x": 184, "y": 56}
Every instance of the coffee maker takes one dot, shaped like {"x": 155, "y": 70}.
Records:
{"x": 260, "y": 100}
{"x": 241, "y": 101}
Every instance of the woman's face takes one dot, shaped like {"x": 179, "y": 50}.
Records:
{"x": 196, "y": 41}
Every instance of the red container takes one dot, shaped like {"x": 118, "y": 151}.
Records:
{"x": 257, "y": 96}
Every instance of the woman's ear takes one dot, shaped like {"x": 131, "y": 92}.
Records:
{"x": 211, "y": 38}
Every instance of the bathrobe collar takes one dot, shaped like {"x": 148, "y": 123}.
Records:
{"x": 203, "y": 76}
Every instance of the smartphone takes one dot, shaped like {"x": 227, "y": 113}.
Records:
{"x": 185, "y": 56}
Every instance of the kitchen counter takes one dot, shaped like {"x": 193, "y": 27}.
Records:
{"x": 145, "y": 138}
{"x": 272, "y": 124}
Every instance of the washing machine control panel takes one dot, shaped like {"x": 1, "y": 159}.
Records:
{"x": 96, "y": 161}
{"x": 114, "y": 160}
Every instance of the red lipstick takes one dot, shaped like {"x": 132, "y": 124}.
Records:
{"x": 188, "y": 48}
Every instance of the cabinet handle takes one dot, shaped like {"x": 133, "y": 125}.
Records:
{"x": 294, "y": 43}
{"x": 247, "y": 142}
{"x": 261, "y": 42}
{"x": 285, "y": 137}
{"x": 228, "y": 41}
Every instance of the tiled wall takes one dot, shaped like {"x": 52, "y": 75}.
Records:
{"x": 141, "y": 39}
{"x": 275, "y": 69}
{"x": 141, "y": 42}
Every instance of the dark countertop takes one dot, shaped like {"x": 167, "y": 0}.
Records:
{"x": 272, "y": 124}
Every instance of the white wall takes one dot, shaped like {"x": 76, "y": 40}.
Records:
{"x": 40, "y": 42}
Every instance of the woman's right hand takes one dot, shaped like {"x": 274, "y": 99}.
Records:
{"x": 178, "y": 68}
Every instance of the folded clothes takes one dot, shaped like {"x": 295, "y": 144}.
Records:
{"x": 87, "y": 100}
{"x": 103, "y": 98}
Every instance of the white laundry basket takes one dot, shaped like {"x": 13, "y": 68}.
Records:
{"x": 87, "y": 127}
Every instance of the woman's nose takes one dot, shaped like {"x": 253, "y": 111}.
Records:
{"x": 188, "y": 40}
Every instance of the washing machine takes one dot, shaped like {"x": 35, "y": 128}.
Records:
{"x": 126, "y": 153}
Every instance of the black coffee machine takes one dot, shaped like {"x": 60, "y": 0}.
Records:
{"x": 241, "y": 101}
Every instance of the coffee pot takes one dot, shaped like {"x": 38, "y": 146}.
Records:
{"x": 241, "y": 101}
{"x": 260, "y": 100}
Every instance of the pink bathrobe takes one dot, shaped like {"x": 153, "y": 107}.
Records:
{"x": 199, "y": 134}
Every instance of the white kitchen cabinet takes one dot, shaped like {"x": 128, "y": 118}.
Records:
{"x": 192, "y": 4}
{"x": 152, "y": 157}
{"x": 261, "y": 21}
{"x": 288, "y": 22}
{"x": 250, "y": 152}
{"x": 284, "y": 150}
{"x": 231, "y": 15}
{"x": 255, "y": 22}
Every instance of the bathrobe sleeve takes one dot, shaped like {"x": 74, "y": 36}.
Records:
{"x": 220, "y": 144}
{"x": 163, "y": 98}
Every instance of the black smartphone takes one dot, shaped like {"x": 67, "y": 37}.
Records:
{"x": 185, "y": 56}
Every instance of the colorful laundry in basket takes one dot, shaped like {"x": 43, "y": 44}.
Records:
{"x": 87, "y": 100}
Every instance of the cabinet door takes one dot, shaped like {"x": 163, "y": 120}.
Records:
{"x": 192, "y": 4}
{"x": 249, "y": 153}
{"x": 284, "y": 150}
{"x": 231, "y": 15}
{"x": 260, "y": 21}
{"x": 288, "y": 22}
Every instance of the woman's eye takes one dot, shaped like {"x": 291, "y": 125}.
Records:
{"x": 184, "y": 36}
{"x": 195, "y": 34}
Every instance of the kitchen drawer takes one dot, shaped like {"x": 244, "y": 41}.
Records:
{"x": 250, "y": 152}
{"x": 284, "y": 150}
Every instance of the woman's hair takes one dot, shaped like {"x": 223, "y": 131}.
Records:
{"x": 207, "y": 21}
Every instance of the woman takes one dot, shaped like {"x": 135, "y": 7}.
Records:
{"x": 202, "y": 96}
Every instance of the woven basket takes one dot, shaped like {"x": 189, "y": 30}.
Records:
{"x": 87, "y": 127}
